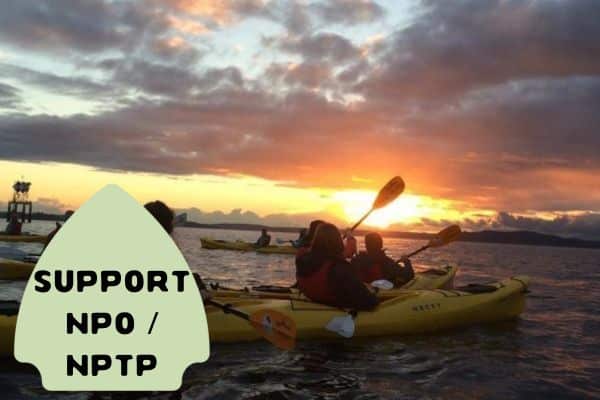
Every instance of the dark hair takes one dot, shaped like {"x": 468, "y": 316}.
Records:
{"x": 163, "y": 214}
{"x": 312, "y": 229}
{"x": 373, "y": 242}
{"x": 328, "y": 241}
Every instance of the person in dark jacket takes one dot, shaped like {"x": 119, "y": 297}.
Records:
{"x": 14, "y": 226}
{"x": 264, "y": 240}
{"x": 374, "y": 264}
{"x": 324, "y": 275}
{"x": 166, "y": 217}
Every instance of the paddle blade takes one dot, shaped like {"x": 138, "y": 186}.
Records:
{"x": 343, "y": 326}
{"x": 389, "y": 192}
{"x": 445, "y": 236}
{"x": 276, "y": 327}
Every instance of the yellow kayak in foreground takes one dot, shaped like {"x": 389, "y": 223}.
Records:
{"x": 411, "y": 312}
{"x": 214, "y": 244}
{"x": 8, "y": 322}
{"x": 15, "y": 270}
{"x": 23, "y": 238}
{"x": 442, "y": 278}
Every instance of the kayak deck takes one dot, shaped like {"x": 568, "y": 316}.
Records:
{"x": 413, "y": 312}
{"x": 428, "y": 279}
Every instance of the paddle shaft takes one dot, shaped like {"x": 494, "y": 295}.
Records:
{"x": 360, "y": 221}
{"x": 414, "y": 253}
{"x": 227, "y": 309}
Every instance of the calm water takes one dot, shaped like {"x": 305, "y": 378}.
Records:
{"x": 552, "y": 351}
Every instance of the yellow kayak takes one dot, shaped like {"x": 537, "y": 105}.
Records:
{"x": 238, "y": 245}
{"x": 23, "y": 238}
{"x": 14, "y": 270}
{"x": 8, "y": 321}
{"x": 411, "y": 312}
{"x": 277, "y": 250}
{"x": 442, "y": 278}
{"x": 214, "y": 244}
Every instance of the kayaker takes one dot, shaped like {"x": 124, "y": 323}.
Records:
{"x": 14, "y": 226}
{"x": 324, "y": 275}
{"x": 308, "y": 238}
{"x": 51, "y": 235}
{"x": 298, "y": 242}
{"x": 264, "y": 240}
{"x": 166, "y": 217}
{"x": 373, "y": 264}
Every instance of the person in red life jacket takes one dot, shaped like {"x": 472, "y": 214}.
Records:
{"x": 307, "y": 239}
{"x": 374, "y": 264}
{"x": 324, "y": 275}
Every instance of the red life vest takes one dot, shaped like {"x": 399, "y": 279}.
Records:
{"x": 302, "y": 251}
{"x": 370, "y": 273}
{"x": 316, "y": 286}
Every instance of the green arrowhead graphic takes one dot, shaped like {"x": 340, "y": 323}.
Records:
{"x": 112, "y": 232}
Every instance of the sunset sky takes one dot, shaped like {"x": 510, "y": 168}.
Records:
{"x": 281, "y": 111}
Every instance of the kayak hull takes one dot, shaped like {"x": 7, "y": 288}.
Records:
{"x": 277, "y": 250}
{"x": 442, "y": 278}
{"x": 23, "y": 238}
{"x": 7, "y": 334}
{"x": 414, "y": 312}
{"x": 410, "y": 312}
{"x": 214, "y": 244}
{"x": 15, "y": 270}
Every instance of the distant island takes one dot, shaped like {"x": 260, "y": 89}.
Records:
{"x": 487, "y": 236}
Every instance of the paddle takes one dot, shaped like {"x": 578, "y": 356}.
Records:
{"x": 445, "y": 236}
{"x": 274, "y": 326}
{"x": 387, "y": 194}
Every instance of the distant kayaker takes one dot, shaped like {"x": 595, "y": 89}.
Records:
{"x": 373, "y": 264}
{"x": 166, "y": 217}
{"x": 264, "y": 240}
{"x": 298, "y": 242}
{"x": 14, "y": 226}
{"x": 51, "y": 235}
{"x": 324, "y": 275}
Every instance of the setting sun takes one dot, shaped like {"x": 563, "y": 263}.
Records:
{"x": 355, "y": 203}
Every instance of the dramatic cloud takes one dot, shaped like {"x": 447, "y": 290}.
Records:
{"x": 348, "y": 11}
{"x": 322, "y": 47}
{"x": 9, "y": 97}
{"x": 462, "y": 45}
{"x": 493, "y": 104}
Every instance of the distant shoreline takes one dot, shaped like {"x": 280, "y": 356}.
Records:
{"x": 498, "y": 237}
{"x": 488, "y": 236}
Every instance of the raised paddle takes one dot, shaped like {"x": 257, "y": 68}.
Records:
{"x": 445, "y": 236}
{"x": 274, "y": 326}
{"x": 387, "y": 194}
